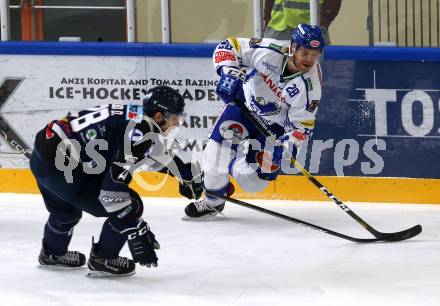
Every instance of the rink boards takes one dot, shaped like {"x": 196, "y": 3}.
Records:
{"x": 377, "y": 131}
{"x": 355, "y": 189}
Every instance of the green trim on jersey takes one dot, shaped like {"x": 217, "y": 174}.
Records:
{"x": 292, "y": 76}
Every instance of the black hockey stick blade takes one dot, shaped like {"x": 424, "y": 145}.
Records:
{"x": 303, "y": 223}
{"x": 402, "y": 235}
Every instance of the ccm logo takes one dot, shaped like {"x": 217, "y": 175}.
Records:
{"x": 112, "y": 200}
{"x": 140, "y": 232}
{"x": 237, "y": 73}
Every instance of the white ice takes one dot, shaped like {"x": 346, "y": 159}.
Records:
{"x": 247, "y": 258}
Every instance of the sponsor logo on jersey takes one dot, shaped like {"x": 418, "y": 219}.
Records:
{"x": 135, "y": 112}
{"x": 235, "y": 43}
{"x": 270, "y": 66}
{"x": 273, "y": 86}
{"x": 275, "y": 47}
{"x": 135, "y": 135}
{"x": 91, "y": 134}
{"x": 233, "y": 130}
{"x": 315, "y": 43}
{"x": 221, "y": 56}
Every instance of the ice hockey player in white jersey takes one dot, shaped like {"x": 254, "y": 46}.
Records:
{"x": 280, "y": 83}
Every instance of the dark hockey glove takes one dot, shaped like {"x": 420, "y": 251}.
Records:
{"x": 142, "y": 243}
{"x": 230, "y": 85}
{"x": 191, "y": 183}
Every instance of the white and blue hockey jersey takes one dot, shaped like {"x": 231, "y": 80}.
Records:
{"x": 288, "y": 100}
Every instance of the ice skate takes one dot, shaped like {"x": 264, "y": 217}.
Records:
{"x": 105, "y": 267}
{"x": 202, "y": 211}
{"x": 70, "y": 260}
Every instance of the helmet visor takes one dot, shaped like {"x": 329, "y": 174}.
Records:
{"x": 175, "y": 119}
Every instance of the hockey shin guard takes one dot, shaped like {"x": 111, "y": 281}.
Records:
{"x": 57, "y": 235}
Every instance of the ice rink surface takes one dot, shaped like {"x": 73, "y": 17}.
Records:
{"x": 247, "y": 258}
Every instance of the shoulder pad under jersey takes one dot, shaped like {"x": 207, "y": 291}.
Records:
{"x": 269, "y": 44}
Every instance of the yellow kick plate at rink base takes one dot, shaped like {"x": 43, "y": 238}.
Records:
{"x": 347, "y": 189}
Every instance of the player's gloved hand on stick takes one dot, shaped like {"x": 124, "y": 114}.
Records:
{"x": 142, "y": 243}
{"x": 191, "y": 184}
{"x": 230, "y": 85}
{"x": 290, "y": 142}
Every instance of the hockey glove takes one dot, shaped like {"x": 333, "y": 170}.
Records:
{"x": 191, "y": 184}
{"x": 230, "y": 85}
{"x": 142, "y": 243}
{"x": 290, "y": 142}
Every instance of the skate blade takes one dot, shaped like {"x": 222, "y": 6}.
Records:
{"x": 101, "y": 274}
{"x": 59, "y": 267}
{"x": 210, "y": 217}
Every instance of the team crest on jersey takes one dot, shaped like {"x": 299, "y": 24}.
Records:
{"x": 264, "y": 108}
{"x": 90, "y": 134}
{"x": 233, "y": 130}
{"x": 134, "y": 112}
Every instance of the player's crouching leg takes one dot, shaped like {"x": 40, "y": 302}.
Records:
{"x": 216, "y": 160}
{"x": 57, "y": 236}
{"x": 123, "y": 225}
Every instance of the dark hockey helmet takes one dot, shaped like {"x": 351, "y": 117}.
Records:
{"x": 308, "y": 36}
{"x": 163, "y": 99}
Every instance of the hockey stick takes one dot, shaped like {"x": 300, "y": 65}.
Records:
{"x": 13, "y": 139}
{"x": 7, "y": 88}
{"x": 396, "y": 236}
{"x": 288, "y": 218}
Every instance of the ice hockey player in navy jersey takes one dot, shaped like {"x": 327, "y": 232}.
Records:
{"x": 280, "y": 84}
{"x": 85, "y": 161}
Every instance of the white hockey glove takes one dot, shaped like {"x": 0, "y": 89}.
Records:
{"x": 290, "y": 142}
